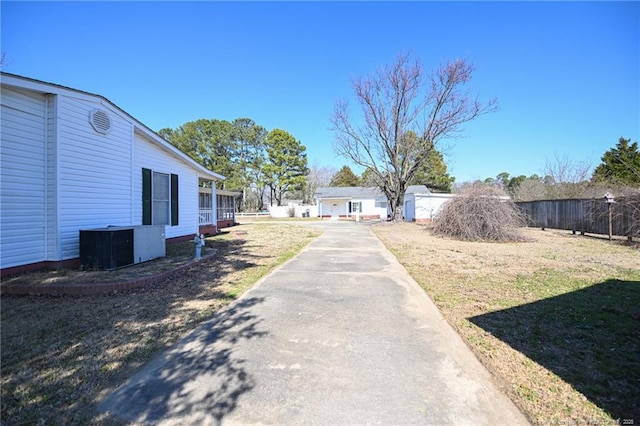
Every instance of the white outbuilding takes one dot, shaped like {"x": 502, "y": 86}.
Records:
{"x": 421, "y": 205}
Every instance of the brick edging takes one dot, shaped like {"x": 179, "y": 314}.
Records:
{"x": 95, "y": 288}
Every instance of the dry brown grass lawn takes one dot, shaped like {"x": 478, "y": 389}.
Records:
{"x": 177, "y": 254}
{"x": 557, "y": 320}
{"x": 61, "y": 354}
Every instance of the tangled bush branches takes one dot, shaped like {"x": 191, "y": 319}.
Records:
{"x": 627, "y": 210}
{"x": 480, "y": 213}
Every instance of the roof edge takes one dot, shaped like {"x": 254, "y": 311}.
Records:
{"x": 40, "y": 85}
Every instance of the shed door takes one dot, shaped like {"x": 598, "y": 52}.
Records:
{"x": 408, "y": 210}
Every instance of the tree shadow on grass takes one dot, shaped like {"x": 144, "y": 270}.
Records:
{"x": 59, "y": 353}
{"x": 199, "y": 380}
{"x": 589, "y": 337}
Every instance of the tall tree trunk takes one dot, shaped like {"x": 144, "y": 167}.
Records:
{"x": 397, "y": 205}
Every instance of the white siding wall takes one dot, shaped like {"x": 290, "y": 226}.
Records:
{"x": 428, "y": 206}
{"x": 95, "y": 171}
{"x": 149, "y": 156}
{"x": 370, "y": 208}
{"x": 22, "y": 177}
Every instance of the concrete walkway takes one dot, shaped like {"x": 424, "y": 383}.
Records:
{"x": 341, "y": 334}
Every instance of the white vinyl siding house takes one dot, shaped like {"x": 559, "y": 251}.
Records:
{"x": 72, "y": 160}
{"x": 351, "y": 202}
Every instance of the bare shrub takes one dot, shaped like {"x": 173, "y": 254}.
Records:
{"x": 291, "y": 211}
{"x": 480, "y": 213}
{"x": 530, "y": 189}
{"x": 625, "y": 212}
{"x": 631, "y": 207}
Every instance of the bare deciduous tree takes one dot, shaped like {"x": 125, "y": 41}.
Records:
{"x": 530, "y": 189}
{"x": 625, "y": 210}
{"x": 567, "y": 178}
{"x": 318, "y": 177}
{"x": 630, "y": 204}
{"x": 398, "y": 99}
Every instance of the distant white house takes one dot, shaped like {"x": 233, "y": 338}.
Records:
{"x": 351, "y": 202}
{"x": 72, "y": 160}
{"x": 422, "y": 205}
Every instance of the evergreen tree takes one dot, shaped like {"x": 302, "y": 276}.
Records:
{"x": 209, "y": 142}
{"x": 432, "y": 173}
{"x": 286, "y": 165}
{"x": 620, "y": 165}
{"x": 345, "y": 177}
{"x": 249, "y": 141}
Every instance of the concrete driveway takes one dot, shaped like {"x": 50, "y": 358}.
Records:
{"x": 341, "y": 334}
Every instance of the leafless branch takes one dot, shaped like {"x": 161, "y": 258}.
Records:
{"x": 396, "y": 101}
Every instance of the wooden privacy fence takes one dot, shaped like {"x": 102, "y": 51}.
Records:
{"x": 585, "y": 215}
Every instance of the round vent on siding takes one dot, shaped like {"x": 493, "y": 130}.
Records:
{"x": 100, "y": 121}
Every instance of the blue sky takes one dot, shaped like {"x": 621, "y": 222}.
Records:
{"x": 566, "y": 75}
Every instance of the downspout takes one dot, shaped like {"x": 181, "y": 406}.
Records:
{"x": 131, "y": 178}
{"x": 47, "y": 171}
{"x": 56, "y": 142}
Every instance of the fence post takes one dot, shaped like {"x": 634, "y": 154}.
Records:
{"x": 609, "y": 199}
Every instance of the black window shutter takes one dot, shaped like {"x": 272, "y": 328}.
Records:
{"x": 146, "y": 197}
{"x": 174, "y": 200}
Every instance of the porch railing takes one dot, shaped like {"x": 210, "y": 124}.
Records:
{"x": 206, "y": 217}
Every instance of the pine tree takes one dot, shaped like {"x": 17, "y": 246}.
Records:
{"x": 345, "y": 177}
{"x": 620, "y": 165}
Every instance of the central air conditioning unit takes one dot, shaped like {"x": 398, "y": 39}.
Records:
{"x": 116, "y": 246}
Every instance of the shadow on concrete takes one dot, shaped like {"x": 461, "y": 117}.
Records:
{"x": 589, "y": 337}
{"x": 199, "y": 380}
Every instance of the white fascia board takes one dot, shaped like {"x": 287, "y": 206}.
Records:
{"x": 334, "y": 198}
{"x": 26, "y": 83}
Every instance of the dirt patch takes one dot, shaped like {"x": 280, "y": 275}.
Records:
{"x": 555, "y": 319}
{"x": 62, "y": 354}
